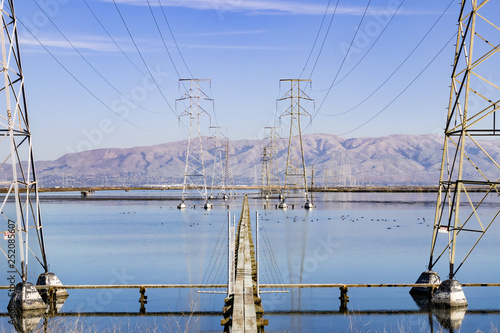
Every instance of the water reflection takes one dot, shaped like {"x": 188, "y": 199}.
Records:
{"x": 384, "y": 238}
{"x": 449, "y": 318}
{"x": 25, "y": 321}
{"x": 445, "y": 319}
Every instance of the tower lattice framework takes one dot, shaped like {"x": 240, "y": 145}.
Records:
{"x": 468, "y": 199}
{"x": 265, "y": 174}
{"x": 20, "y": 207}
{"x": 295, "y": 172}
{"x": 218, "y": 139}
{"x": 270, "y": 178}
{"x": 194, "y": 172}
{"x": 228, "y": 178}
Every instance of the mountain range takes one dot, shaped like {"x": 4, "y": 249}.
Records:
{"x": 398, "y": 160}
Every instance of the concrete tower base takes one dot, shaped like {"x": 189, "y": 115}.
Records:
{"x": 449, "y": 295}
{"x": 426, "y": 277}
{"x": 26, "y": 298}
{"x": 50, "y": 279}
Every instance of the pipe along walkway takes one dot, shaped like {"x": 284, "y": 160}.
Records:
{"x": 243, "y": 308}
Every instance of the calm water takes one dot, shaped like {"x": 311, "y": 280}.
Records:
{"x": 348, "y": 238}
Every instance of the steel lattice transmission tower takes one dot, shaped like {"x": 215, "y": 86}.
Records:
{"x": 20, "y": 208}
{"x": 270, "y": 172}
{"x": 265, "y": 174}
{"x": 218, "y": 179}
{"x": 194, "y": 172}
{"x": 295, "y": 172}
{"x": 228, "y": 171}
{"x": 468, "y": 199}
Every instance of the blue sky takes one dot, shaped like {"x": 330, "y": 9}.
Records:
{"x": 244, "y": 47}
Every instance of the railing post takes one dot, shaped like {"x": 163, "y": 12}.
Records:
{"x": 344, "y": 299}
{"x": 143, "y": 300}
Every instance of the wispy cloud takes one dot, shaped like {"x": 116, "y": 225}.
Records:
{"x": 225, "y": 33}
{"x": 101, "y": 44}
{"x": 260, "y": 6}
{"x": 234, "y": 47}
{"x": 88, "y": 43}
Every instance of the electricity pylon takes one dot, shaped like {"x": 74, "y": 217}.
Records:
{"x": 468, "y": 197}
{"x": 21, "y": 206}
{"x": 295, "y": 172}
{"x": 270, "y": 171}
{"x": 218, "y": 165}
{"x": 194, "y": 171}
{"x": 265, "y": 174}
{"x": 228, "y": 171}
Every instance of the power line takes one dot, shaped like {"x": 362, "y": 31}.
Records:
{"x": 163, "y": 39}
{"x": 142, "y": 58}
{"x": 397, "y": 68}
{"x": 343, "y": 60}
{"x": 78, "y": 81}
{"x": 373, "y": 44}
{"x": 112, "y": 39}
{"x": 316, "y": 39}
{"x": 406, "y": 88}
{"x": 173, "y": 38}
{"x": 168, "y": 52}
{"x": 89, "y": 64}
{"x": 324, "y": 40}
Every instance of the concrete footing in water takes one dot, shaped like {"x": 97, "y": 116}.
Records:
{"x": 426, "y": 277}
{"x": 182, "y": 205}
{"x": 283, "y": 205}
{"x": 50, "y": 279}
{"x": 26, "y": 298}
{"x": 449, "y": 295}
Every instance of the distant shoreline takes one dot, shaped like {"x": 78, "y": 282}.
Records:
{"x": 376, "y": 189}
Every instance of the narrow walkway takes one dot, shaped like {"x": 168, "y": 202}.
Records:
{"x": 243, "y": 310}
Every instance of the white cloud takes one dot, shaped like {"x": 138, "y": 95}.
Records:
{"x": 259, "y": 6}
{"x": 233, "y": 47}
{"x": 225, "y": 33}
{"x": 89, "y": 43}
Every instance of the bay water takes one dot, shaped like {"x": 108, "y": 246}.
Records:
{"x": 140, "y": 237}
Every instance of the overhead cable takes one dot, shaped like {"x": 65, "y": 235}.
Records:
{"x": 174, "y": 39}
{"x": 316, "y": 39}
{"x": 371, "y": 46}
{"x": 343, "y": 60}
{"x": 112, "y": 39}
{"x": 406, "y": 88}
{"x": 78, "y": 81}
{"x": 397, "y": 68}
{"x": 324, "y": 40}
{"x": 89, "y": 64}
{"x": 142, "y": 58}
{"x": 163, "y": 39}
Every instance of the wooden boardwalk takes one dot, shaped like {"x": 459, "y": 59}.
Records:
{"x": 243, "y": 311}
